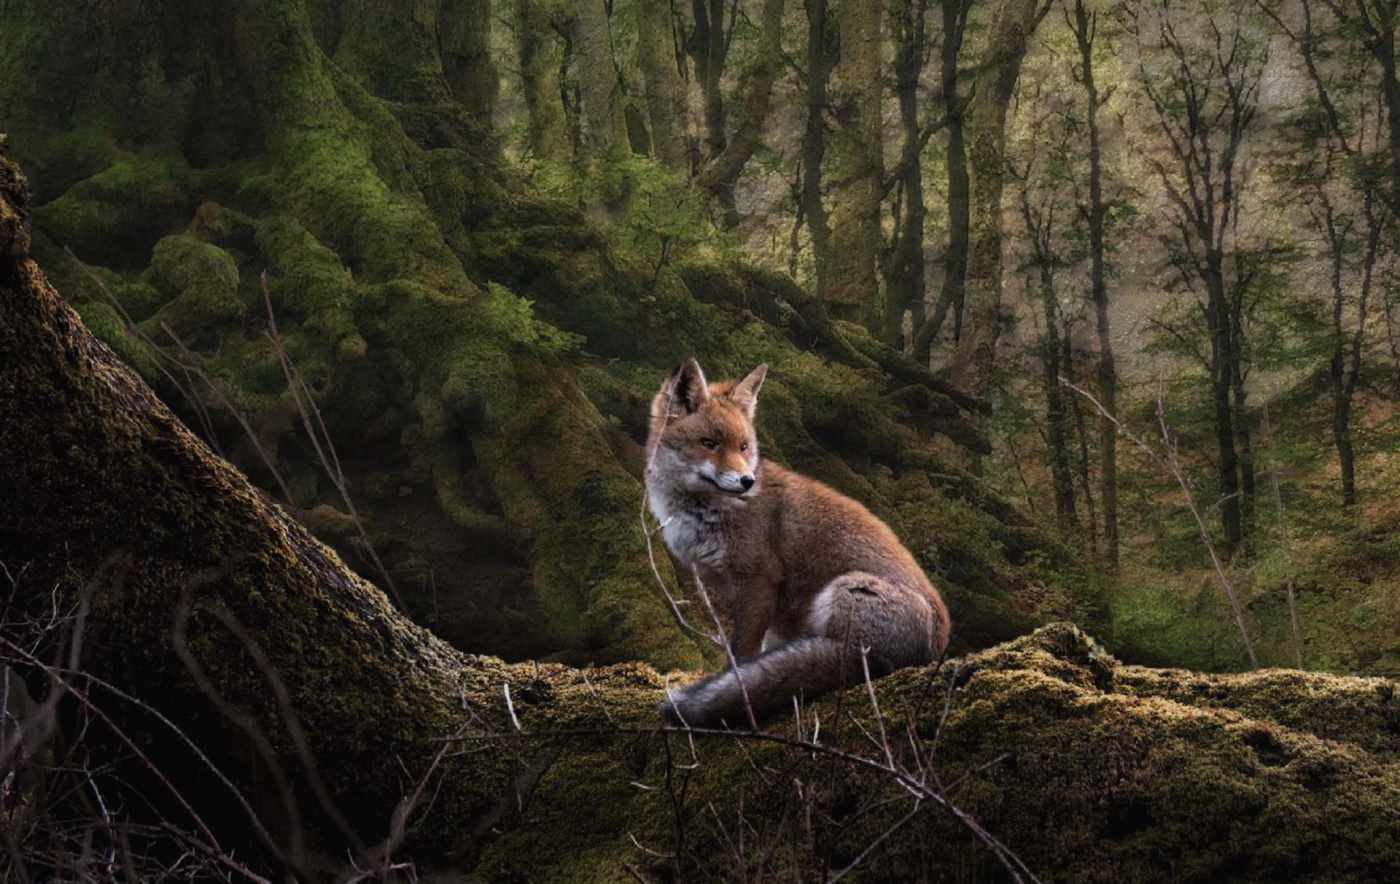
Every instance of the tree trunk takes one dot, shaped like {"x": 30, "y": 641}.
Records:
{"x": 605, "y": 128}
{"x": 722, "y": 173}
{"x": 819, "y": 60}
{"x": 540, "y": 69}
{"x": 1082, "y": 435}
{"x": 1001, "y": 67}
{"x": 1222, "y": 384}
{"x": 1383, "y": 45}
{"x": 708, "y": 46}
{"x": 464, "y": 44}
{"x": 1085, "y": 27}
{"x": 959, "y": 188}
{"x": 665, "y": 92}
{"x": 1244, "y": 436}
{"x": 1056, "y": 417}
{"x": 904, "y": 263}
{"x": 160, "y": 528}
{"x": 856, "y": 185}
{"x": 1040, "y": 233}
{"x": 1341, "y": 435}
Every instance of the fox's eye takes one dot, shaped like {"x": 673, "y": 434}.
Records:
{"x": 743, "y": 446}
{"x": 709, "y": 443}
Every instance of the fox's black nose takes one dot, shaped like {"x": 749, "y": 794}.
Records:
{"x": 747, "y": 482}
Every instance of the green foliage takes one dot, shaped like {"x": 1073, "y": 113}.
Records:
{"x": 655, "y": 215}
{"x": 513, "y": 319}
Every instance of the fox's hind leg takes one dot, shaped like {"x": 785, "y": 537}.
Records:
{"x": 896, "y": 625}
{"x": 855, "y": 615}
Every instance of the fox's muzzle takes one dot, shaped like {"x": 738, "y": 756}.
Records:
{"x": 729, "y": 481}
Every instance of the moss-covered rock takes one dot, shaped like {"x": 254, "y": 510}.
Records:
{"x": 200, "y": 282}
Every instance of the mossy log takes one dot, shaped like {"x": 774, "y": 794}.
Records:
{"x": 1086, "y": 769}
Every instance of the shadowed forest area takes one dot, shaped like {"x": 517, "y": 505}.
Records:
{"x": 329, "y": 332}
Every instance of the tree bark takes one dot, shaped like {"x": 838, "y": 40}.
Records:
{"x": 605, "y": 128}
{"x": 959, "y": 201}
{"x": 1040, "y": 230}
{"x": 1378, "y": 22}
{"x": 857, "y": 179}
{"x": 975, "y": 356}
{"x": 1056, "y": 418}
{"x": 665, "y": 92}
{"x": 1222, "y": 348}
{"x": 540, "y": 68}
{"x": 1082, "y": 437}
{"x": 708, "y": 46}
{"x": 1244, "y": 435}
{"x": 464, "y": 44}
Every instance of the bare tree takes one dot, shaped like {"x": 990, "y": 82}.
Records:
{"x": 1203, "y": 79}
{"x": 1009, "y": 39}
{"x": 1085, "y": 25}
{"x": 959, "y": 185}
{"x": 821, "y": 53}
{"x": 858, "y": 169}
{"x": 903, "y": 263}
{"x": 1341, "y": 178}
{"x": 1041, "y": 191}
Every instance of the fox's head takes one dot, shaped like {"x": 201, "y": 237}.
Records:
{"x": 703, "y": 435}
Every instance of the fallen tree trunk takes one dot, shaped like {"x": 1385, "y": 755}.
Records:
{"x": 202, "y": 600}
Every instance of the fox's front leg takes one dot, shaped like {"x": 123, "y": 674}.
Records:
{"x": 754, "y": 601}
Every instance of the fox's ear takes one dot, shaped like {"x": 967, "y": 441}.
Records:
{"x": 745, "y": 393}
{"x": 689, "y": 387}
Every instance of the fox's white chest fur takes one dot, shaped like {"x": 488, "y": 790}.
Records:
{"x": 693, "y": 532}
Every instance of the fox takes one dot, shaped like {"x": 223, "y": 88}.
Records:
{"x": 817, "y": 588}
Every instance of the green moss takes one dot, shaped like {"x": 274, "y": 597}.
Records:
{"x": 1086, "y": 769}
{"x": 309, "y": 284}
{"x": 200, "y": 281}
{"x": 65, "y": 158}
{"x": 115, "y": 216}
{"x": 590, "y": 562}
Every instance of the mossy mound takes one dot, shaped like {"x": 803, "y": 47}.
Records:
{"x": 1084, "y": 768}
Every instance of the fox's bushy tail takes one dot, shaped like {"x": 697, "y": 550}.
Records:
{"x": 803, "y": 669}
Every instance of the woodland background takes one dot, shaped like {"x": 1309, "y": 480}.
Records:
{"x": 1093, "y": 302}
